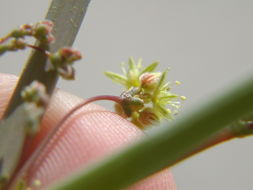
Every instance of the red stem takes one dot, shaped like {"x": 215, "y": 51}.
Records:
{"x": 219, "y": 138}
{"x": 47, "y": 53}
{"x": 19, "y": 174}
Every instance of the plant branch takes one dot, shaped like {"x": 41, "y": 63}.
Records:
{"x": 169, "y": 145}
{"x": 67, "y": 16}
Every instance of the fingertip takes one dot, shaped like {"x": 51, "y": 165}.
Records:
{"x": 7, "y": 84}
{"x": 85, "y": 138}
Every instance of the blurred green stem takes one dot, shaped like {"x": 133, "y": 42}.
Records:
{"x": 168, "y": 145}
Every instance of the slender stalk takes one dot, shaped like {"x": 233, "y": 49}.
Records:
{"x": 67, "y": 16}
{"x": 167, "y": 146}
{"x": 45, "y": 141}
{"x": 47, "y": 53}
{"x": 221, "y": 137}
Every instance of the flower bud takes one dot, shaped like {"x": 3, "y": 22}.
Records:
{"x": 148, "y": 117}
{"x": 35, "y": 93}
{"x": 43, "y": 31}
{"x": 149, "y": 80}
{"x": 49, "y": 25}
{"x": 69, "y": 54}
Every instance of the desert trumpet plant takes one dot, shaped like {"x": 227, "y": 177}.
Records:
{"x": 147, "y": 99}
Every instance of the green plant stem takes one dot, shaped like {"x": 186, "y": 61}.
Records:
{"x": 67, "y": 16}
{"x": 169, "y": 145}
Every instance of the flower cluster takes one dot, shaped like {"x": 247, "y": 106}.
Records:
{"x": 35, "y": 93}
{"x": 42, "y": 31}
{"x": 147, "y": 98}
{"x": 62, "y": 61}
{"x": 13, "y": 41}
{"x": 36, "y": 100}
{"x": 13, "y": 45}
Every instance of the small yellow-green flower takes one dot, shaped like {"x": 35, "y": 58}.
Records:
{"x": 147, "y": 97}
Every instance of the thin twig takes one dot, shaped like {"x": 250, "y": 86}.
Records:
{"x": 45, "y": 141}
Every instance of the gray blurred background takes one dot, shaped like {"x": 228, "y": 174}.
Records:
{"x": 207, "y": 44}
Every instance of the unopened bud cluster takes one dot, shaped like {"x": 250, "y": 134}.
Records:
{"x": 35, "y": 93}
{"x": 62, "y": 62}
{"x": 13, "y": 45}
{"x": 147, "y": 98}
{"x": 13, "y": 41}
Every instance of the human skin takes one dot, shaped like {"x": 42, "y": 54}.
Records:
{"x": 90, "y": 134}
